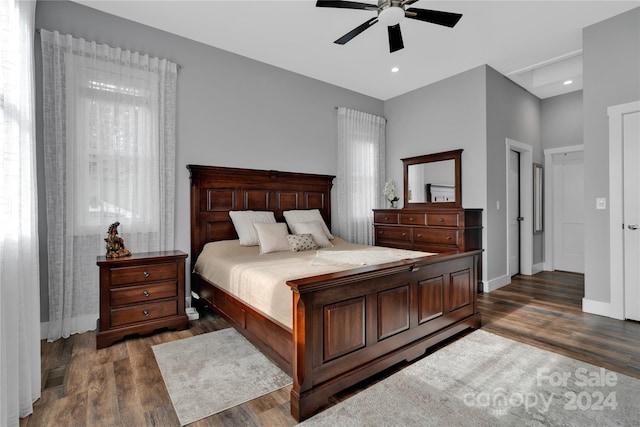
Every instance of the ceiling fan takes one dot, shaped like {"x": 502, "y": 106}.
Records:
{"x": 390, "y": 13}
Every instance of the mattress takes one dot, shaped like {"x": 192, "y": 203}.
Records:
{"x": 260, "y": 280}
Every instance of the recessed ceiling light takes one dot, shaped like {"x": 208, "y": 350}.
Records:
{"x": 568, "y": 82}
{"x": 395, "y": 69}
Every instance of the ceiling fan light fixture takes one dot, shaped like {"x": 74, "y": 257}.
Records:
{"x": 391, "y": 16}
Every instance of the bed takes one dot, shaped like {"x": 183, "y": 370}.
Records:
{"x": 346, "y": 325}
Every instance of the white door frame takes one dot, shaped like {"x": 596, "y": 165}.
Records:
{"x": 549, "y": 166}
{"x": 526, "y": 204}
{"x": 616, "y": 239}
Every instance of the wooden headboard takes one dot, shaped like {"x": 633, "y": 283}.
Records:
{"x": 217, "y": 190}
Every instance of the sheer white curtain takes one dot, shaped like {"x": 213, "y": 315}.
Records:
{"x": 361, "y": 173}
{"x": 19, "y": 279}
{"x": 109, "y": 136}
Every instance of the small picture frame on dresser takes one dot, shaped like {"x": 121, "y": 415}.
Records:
{"x": 141, "y": 293}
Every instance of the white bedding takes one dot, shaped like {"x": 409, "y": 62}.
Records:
{"x": 260, "y": 280}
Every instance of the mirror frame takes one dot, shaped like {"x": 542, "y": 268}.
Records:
{"x": 456, "y": 156}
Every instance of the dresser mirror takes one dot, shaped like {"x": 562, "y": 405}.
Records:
{"x": 433, "y": 180}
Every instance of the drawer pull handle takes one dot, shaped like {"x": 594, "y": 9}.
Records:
{"x": 382, "y": 232}
{"x": 441, "y": 219}
{"x": 448, "y": 237}
{"x": 146, "y": 313}
{"x": 419, "y": 235}
{"x": 145, "y": 273}
{"x": 386, "y": 218}
{"x": 145, "y": 293}
{"x": 404, "y": 234}
{"x": 411, "y": 219}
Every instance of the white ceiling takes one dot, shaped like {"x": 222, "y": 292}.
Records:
{"x": 514, "y": 37}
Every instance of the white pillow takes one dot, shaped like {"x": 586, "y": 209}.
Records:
{"x": 295, "y": 216}
{"x": 272, "y": 237}
{"x": 243, "y": 222}
{"x": 315, "y": 229}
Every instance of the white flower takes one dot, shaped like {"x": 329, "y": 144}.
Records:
{"x": 390, "y": 190}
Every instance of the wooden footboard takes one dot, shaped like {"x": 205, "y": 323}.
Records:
{"x": 348, "y": 327}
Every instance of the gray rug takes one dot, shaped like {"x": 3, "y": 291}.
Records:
{"x": 486, "y": 380}
{"x": 210, "y": 373}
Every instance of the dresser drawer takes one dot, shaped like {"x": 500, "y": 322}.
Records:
{"x": 393, "y": 233}
{"x": 140, "y": 293}
{"x": 412, "y": 219}
{"x": 143, "y": 273}
{"x": 385, "y": 218}
{"x": 143, "y": 312}
{"x": 435, "y": 235}
{"x": 442, "y": 219}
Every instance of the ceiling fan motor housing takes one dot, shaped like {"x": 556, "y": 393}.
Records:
{"x": 390, "y": 12}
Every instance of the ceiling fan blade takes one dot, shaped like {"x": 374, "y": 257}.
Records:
{"x": 351, "y": 34}
{"x": 395, "y": 38}
{"x": 346, "y": 4}
{"x": 447, "y": 19}
{"x": 408, "y": 2}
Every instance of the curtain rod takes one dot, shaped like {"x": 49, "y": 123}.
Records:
{"x": 177, "y": 65}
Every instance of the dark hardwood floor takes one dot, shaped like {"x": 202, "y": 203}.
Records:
{"x": 545, "y": 311}
{"x": 122, "y": 386}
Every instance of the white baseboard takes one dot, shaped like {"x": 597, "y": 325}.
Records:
{"x": 537, "y": 268}
{"x": 600, "y": 308}
{"x": 496, "y": 283}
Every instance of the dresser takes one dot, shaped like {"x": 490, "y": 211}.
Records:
{"x": 141, "y": 293}
{"x": 429, "y": 229}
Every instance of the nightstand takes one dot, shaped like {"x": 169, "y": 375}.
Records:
{"x": 141, "y": 293}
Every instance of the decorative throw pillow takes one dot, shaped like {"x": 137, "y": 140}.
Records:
{"x": 243, "y": 223}
{"x": 302, "y": 242}
{"x": 295, "y": 216}
{"x": 315, "y": 229}
{"x": 272, "y": 237}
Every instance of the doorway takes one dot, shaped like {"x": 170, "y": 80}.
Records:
{"x": 524, "y": 206}
{"x": 514, "y": 212}
{"x": 568, "y": 211}
{"x": 624, "y": 197}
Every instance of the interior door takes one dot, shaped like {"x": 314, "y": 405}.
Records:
{"x": 631, "y": 214}
{"x": 568, "y": 205}
{"x": 514, "y": 212}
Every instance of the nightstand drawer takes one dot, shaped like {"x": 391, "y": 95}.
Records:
{"x": 393, "y": 233}
{"x": 144, "y": 273}
{"x": 140, "y": 293}
{"x": 143, "y": 312}
{"x": 434, "y": 235}
{"x": 442, "y": 219}
{"x": 385, "y": 218}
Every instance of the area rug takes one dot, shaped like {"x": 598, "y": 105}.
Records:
{"x": 210, "y": 373}
{"x": 486, "y": 380}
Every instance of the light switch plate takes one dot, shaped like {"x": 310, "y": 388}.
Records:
{"x": 601, "y": 203}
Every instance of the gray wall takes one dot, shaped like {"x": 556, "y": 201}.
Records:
{"x": 445, "y": 115}
{"x": 512, "y": 112}
{"x": 232, "y": 111}
{"x": 611, "y": 61}
{"x": 562, "y": 123}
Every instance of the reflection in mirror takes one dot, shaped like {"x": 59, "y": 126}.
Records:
{"x": 537, "y": 199}
{"x": 432, "y": 182}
